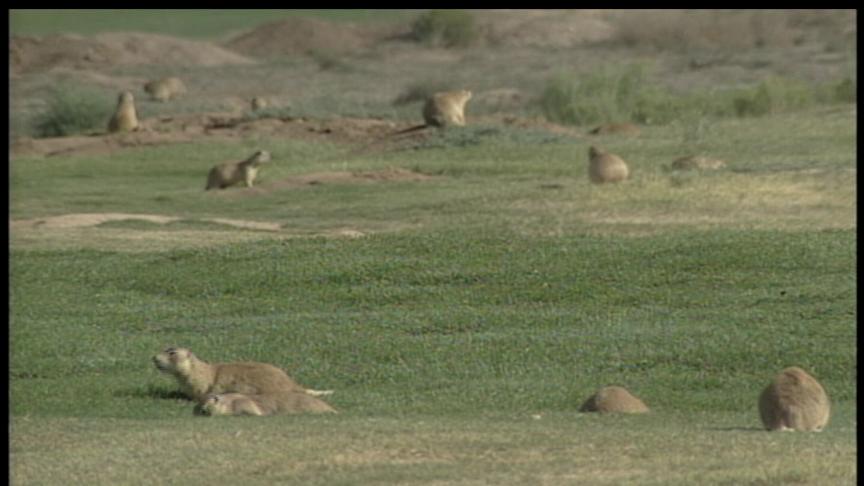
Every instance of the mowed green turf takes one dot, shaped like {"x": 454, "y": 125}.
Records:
{"x": 464, "y": 331}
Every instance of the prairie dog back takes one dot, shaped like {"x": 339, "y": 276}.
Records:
{"x": 446, "y": 108}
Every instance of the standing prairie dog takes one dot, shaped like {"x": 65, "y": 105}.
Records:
{"x": 794, "y": 400}
{"x": 165, "y": 89}
{"x": 263, "y": 404}
{"x": 613, "y": 399}
{"x": 125, "y": 119}
{"x": 197, "y": 378}
{"x": 605, "y": 167}
{"x": 230, "y": 173}
{"x": 446, "y": 108}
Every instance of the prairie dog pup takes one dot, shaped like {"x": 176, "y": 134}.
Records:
{"x": 198, "y": 378}
{"x": 165, "y": 89}
{"x": 605, "y": 167}
{"x": 794, "y": 400}
{"x": 263, "y": 404}
{"x": 446, "y": 108}
{"x": 230, "y": 173}
{"x": 613, "y": 399}
{"x": 125, "y": 118}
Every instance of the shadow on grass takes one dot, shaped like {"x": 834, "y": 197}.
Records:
{"x": 152, "y": 392}
{"x": 737, "y": 429}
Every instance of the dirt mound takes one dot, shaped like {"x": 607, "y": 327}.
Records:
{"x": 368, "y": 135}
{"x": 34, "y": 54}
{"x": 82, "y": 220}
{"x": 301, "y": 35}
{"x": 545, "y": 28}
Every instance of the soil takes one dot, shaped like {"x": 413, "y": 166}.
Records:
{"x": 35, "y": 54}
{"x": 368, "y": 135}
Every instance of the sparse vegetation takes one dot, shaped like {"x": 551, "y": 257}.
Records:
{"x": 447, "y": 28}
{"x": 73, "y": 111}
{"x": 627, "y": 93}
{"x": 706, "y": 29}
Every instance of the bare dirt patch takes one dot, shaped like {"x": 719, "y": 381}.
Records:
{"x": 545, "y": 28}
{"x": 369, "y": 135}
{"x": 81, "y": 220}
{"x": 30, "y": 53}
{"x": 302, "y": 35}
{"x": 84, "y": 230}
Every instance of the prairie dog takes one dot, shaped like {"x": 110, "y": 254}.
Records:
{"x": 125, "y": 119}
{"x": 198, "y": 378}
{"x": 446, "y": 108}
{"x": 606, "y": 167}
{"x": 165, "y": 89}
{"x": 613, "y": 399}
{"x": 263, "y": 404}
{"x": 697, "y": 162}
{"x": 794, "y": 400}
{"x": 230, "y": 173}
{"x": 258, "y": 103}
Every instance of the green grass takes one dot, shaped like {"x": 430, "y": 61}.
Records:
{"x": 628, "y": 93}
{"x": 188, "y": 23}
{"x": 503, "y": 289}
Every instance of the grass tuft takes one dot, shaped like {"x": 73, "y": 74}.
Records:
{"x": 72, "y": 111}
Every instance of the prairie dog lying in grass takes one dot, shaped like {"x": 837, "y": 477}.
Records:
{"x": 696, "y": 162}
{"x": 165, "y": 89}
{"x": 125, "y": 118}
{"x": 230, "y": 173}
{"x": 605, "y": 167}
{"x": 197, "y": 378}
{"x": 263, "y": 404}
{"x": 794, "y": 400}
{"x": 613, "y": 399}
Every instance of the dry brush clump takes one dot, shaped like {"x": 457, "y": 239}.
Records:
{"x": 706, "y": 29}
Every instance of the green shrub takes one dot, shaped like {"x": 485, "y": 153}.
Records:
{"x": 845, "y": 91}
{"x": 618, "y": 94}
{"x": 608, "y": 94}
{"x": 72, "y": 111}
{"x": 448, "y": 28}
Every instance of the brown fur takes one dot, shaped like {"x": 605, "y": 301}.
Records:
{"x": 165, "y": 89}
{"x": 258, "y": 103}
{"x": 197, "y": 378}
{"x": 613, "y": 399}
{"x": 446, "y": 108}
{"x": 794, "y": 400}
{"x": 616, "y": 128}
{"x": 263, "y": 404}
{"x": 125, "y": 118}
{"x": 230, "y": 173}
{"x": 605, "y": 167}
{"x": 697, "y": 162}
